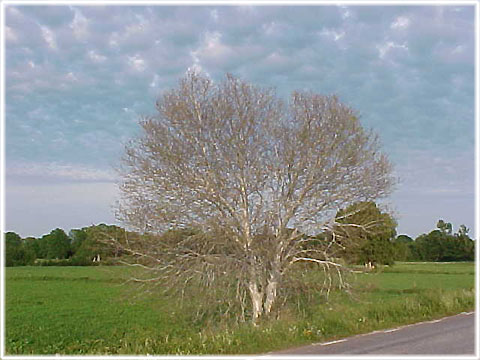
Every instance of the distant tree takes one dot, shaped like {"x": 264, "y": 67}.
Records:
{"x": 14, "y": 253}
{"x": 430, "y": 247}
{"x": 368, "y": 234}
{"x": 32, "y": 246}
{"x": 403, "y": 239}
{"x": 17, "y": 253}
{"x": 465, "y": 244}
{"x": 95, "y": 242}
{"x": 57, "y": 244}
{"x": 462, "y": 231}
{"x": 441, "y": 245}
{"x": 403, "y": 245}
{"x": 444, "y": 227}
{"x": 81, "y": 244}
{"x": 42, "y": 246}
{"x": 28, "y": 245}
{"x": 77, "y": 237}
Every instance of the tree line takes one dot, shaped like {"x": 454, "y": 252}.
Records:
{"x": 79, "y": 247}
{"x": 381, "y": 245}
{"x": 92, "y": 245}
{"x": 441, "y": 244}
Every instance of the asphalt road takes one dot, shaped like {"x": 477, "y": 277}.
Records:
{"x": 454, "y": 335}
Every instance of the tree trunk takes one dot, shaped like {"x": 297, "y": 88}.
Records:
{"x": 272, "y": 285}
{"x": 257, "y": 300}
{"x": 271, "y": 295}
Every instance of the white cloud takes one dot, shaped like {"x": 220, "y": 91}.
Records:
{"x": 155, "y": 81}
{"x": 401, "y": 23}
{"x": 95, "y": 57}
{"x": 214, "y": 15}
{"x": 213, "y": 44}
{"x": 212, "y": 49}
{"x": 345, "y": 12}
{"x": 137, "y": 28}
{"x": 113, "y": 41}
{"x": 385, "y": 48}
{"x": 49, "y": 37}
{"x": 79, "y": 25}
{"x": 269, "y": 28}
{"x": 71, "y": 77}
{"x": 454, "y": 53}
{"x": 137, "y": 62}
{"x": 134, "y": 29}
{"x": 59, "y": 172}
{"x": 332, "y": 34}
{"x": 10, "y": 35}
{"x": 13, "y": 11}
{"x": 458, "y": 49}
{"x": 277, "y": 61}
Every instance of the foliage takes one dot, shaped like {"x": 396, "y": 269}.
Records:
{"x": 32, "y": 247}
{"x": 57, "y": 244}
{"x": 403, "y": 239}
{"x": 91, "y": 242}
{"x": 16, "y": 253}
{"x": 56, "y": 248}
{"x": 402, "y": 248}
{"x": 77, "y": 236}
{"x": 441, "y": 245}
{"x": 88, "y": 242}
{"x": 367, "y": 234}
{"x": 445, "y": 228}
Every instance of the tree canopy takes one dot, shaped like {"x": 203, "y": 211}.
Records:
{"x": 254, "y": 173}
{"x": 367, "y": 233}
{"x": 442, "y": 245}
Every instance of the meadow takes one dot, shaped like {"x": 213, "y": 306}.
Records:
{"x": 90, "y": 310}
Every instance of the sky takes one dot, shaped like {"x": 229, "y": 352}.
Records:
{"x": 78, "y": 79}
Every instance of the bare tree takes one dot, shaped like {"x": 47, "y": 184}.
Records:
{"x": 254, "y": 175}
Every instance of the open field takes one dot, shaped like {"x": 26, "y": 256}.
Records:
{"x": 88, "y": 310}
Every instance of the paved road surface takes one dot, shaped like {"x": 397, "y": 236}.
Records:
{"x": 451, "y": 335}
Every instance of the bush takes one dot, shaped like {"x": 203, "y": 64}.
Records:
{"x": 82, "y": 261}
{"x": 53, "y": 262}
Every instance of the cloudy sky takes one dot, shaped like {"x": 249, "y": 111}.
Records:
{"x": 79, "y": 77}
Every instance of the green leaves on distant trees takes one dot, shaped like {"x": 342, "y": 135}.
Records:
{"x": 93, "y": 242}
{"x": 374, "y": 241}
{"x": 403, "y": 245}
{"x": 369, "y": 233}
{"x": 17, "y": 251}
{"x": 13, "y": 248}
{"x": 57, "y": 244}
{"x": 444, "y": 227}
{"x": 58, "y": 248}
{"x": 441, "y": 245}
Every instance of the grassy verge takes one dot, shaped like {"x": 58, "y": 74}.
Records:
{"x": 87, "y": 310}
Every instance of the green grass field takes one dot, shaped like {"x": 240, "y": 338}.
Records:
{"x": 89, "y": 310}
